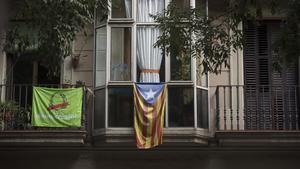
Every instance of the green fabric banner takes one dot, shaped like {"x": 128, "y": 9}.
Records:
{"x": 52, "y": 107}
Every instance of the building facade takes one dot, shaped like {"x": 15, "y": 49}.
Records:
{"x": 247, "y": 116}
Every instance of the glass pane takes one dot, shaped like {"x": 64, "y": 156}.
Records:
{"x": 201, "y": 6}
{"x": 182, "y": 4}
{"x": 120, "y": 64}
{"x": 121, "y": 9}
{"x": 147, "y": 7}
{"x": 120, "y": 107}
{"x": 100, "y": 56}
{"x": 181, "y": 107}
{"x": 99, "y": 116}
{"x": 180, "y": 66}
{"x": 202, "y": 78}
{"x": 217, "y": 8}
{"x": 100, "y": 17}
{"x": 202, "y": 108}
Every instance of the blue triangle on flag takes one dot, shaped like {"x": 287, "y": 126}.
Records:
{"x": 150, "y": 91}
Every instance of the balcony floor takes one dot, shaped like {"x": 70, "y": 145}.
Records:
{"x": 43, "y": 137}
{"x": 254, "y": 138}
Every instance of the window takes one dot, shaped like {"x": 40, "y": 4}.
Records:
{"x": 202, "y": 95}
{"x": 149, "y": 58}
{"x": 120, "y": 54}
{"x": 180, "y": 62}
{"x": 121, "y": 9}
{"x": 180, "y": 66}
{"x": 125, "y": 54}
{"x": 100, "y": 56}
{"x": 202, "y": 108}
{"x": 147, "y": 7}
{"x": 99, "y": 116}
{"x": 120, "y": 107}
{"x": 270, "y": 94}
{"x": 100, "y": 18}
{"x": 182, "y": 4}
{"x": 202, "y": 78}
{"x": 201, "y": 4}
{"x": 181, "y": 106}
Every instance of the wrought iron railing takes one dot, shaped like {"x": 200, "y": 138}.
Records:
{"x": 257, "y": 107}
{"x": 16, "y": 103}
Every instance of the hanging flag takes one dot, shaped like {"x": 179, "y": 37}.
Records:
{"x": 149, "y": 108}
{"x": 52, "y": 107}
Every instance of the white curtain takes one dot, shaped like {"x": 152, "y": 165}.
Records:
{"x": 148, "y": 58}
{"x": 146, "y": 7}
{"x": 128, "y": 8}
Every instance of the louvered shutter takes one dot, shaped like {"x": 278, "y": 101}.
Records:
{"x": 250, "y": 69}
{"x": 257, "y": 77}
{"x": 284, "y": 90}
{"x": 269, "y": 95}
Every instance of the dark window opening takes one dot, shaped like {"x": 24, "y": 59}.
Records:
{"x": 120, "y": 107}
{"x": 181, "y": 106}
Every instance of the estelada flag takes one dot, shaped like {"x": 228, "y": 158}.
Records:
{"x": 149, "y": 108}
{"x": 52, "y": 107}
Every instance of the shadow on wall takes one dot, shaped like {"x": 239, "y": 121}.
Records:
{"x": 6, "y": 10}
{"x": 3, "y": 13}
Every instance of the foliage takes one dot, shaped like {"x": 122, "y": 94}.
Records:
{"x": 184, "y": 32}
{"x": 13, "y": 116}
{"x": 288, "y": 44}
{"x": 191, "y": 32}
{"x": 211, "y": 38}
{"x": 48, "y": 27}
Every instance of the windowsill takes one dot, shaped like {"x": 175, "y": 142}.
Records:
{"x": 172, "y": 82}
{"x": 171, "y": 135}
{"x": 120, "y": 20}
{"x": 120, "y": 83}
{"x": 141, "y": 24}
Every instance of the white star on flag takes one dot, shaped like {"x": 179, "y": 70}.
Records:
{"x": 150, "y": 94}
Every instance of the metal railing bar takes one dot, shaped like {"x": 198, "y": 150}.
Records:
{"x": 265, "y": 107}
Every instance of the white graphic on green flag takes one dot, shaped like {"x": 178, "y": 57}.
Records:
{"x": 53, "y": 107}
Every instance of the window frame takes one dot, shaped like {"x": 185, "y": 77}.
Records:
{"x": 95, "y": 57}
{"x": 134, "y": 24}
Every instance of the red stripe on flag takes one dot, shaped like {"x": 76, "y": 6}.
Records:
{"x": 145, "y": 124}
{"x": 139, "y": 122}
{"x": 161, "y": 111}
{"x": 154, "y": 123}
{"x": 159, "y": 133}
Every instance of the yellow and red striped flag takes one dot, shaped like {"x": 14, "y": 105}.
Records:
{"x": 149, "y": 108}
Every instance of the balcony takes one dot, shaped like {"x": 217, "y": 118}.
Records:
{"x": 15, "y": 121}
{"x": 257, "y": 115}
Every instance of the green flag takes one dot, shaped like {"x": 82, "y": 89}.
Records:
{"x": 53, "y": 107}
